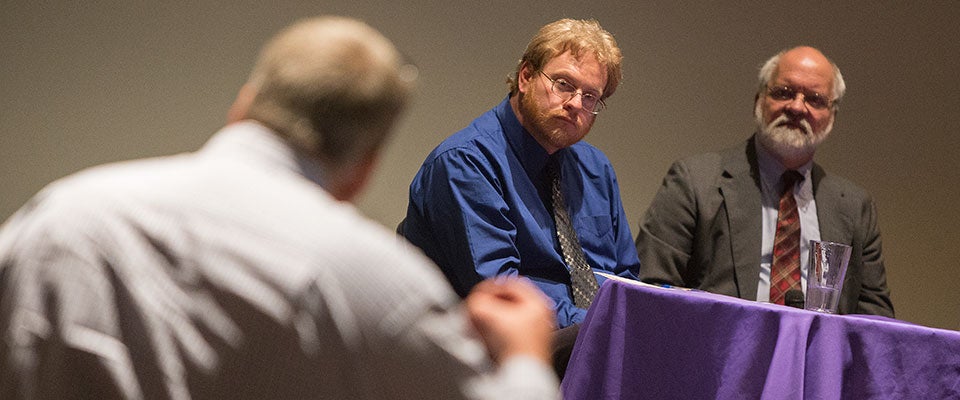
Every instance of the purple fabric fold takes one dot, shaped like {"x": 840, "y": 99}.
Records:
{"x": 644, "y": 342}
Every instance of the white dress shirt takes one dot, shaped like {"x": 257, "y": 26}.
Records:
{"x": 229, "y": 273}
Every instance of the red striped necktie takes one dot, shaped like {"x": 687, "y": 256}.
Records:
{"x": 785, "y": 270}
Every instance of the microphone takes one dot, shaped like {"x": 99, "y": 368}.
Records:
{"x": 793, "y": 298}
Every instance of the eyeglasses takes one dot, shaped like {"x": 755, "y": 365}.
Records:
{"x": 814, "y": 100}
{"x": 589, "y": 101}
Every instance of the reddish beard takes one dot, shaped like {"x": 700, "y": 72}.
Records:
{"x": 553, "y": 129}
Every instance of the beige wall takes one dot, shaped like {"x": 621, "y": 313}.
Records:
{"x": 86, "y": 84}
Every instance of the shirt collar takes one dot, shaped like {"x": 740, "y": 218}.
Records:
{"x": 251, "y": 141}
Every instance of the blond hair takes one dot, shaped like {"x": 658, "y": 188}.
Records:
{"x": 577, "y": 37}
{"x": 331, "y": 86}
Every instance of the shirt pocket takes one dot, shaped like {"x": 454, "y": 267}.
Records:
{"x": 595, "y": 231}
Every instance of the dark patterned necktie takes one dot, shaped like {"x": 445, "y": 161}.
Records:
{"x": 785, "y": 269}
{"x": 583, "y": 283}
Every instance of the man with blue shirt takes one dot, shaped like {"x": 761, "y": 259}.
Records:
{"x": 482, "y": 203}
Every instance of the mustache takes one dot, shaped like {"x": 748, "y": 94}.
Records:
{"x": 784, "y": 119}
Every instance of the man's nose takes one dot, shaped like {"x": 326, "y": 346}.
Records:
{"x": 798, "y": 104}
{"x": 576, "y": 96}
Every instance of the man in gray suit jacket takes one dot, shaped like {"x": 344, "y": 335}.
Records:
{"x": 712, "y": 224}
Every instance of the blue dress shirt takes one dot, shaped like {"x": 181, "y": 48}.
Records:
{"x": 477, "y": 208}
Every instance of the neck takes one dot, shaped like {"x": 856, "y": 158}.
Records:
{"x": 515, "y": 106}
{"x": 793, "y": 162}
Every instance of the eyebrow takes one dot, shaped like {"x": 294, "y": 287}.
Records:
{"x": 803, "y": 88}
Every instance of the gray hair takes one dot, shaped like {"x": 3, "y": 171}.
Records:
{"x": 331, "y": 86}
{"x": 770, "y": 67}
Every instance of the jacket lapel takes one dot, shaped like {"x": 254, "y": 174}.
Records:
{"x": 829, "y": 212}
{"x": 739, "y": 187}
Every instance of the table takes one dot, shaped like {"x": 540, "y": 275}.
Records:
{"x": 641, "y": 341}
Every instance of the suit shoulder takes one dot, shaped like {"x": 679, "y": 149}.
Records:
{"x": 710, "y": 161}
{"x": 705, "y": 170}
{"x": 701, "y": 169}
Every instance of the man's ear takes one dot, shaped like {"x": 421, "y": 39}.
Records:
{"x": 241, "y": 104}
{"x": 756, "y": 102}
{"x": 524, "y": 77}
{"x": 348, "y": 182}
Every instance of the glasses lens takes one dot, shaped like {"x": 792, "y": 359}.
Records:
{"x": 563, "y": 88}
{"x": 597, "y": 107}
{"x": 782, "y": 93}
{"x": 814, "y": 100}
{"x": 591, "y": 103}
{"x": 817, "y": 101}
{"x": 588, "y": 102}
{"x": 566, "y": 91}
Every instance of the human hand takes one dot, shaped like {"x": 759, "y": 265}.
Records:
{"x": 513, "y": 318}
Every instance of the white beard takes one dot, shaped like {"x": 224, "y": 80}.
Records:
{"x": 787, "y": 142}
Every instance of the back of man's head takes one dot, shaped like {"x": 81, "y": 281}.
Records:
{"x": 331, "y": 86}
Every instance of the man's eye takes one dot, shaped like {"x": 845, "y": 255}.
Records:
{"x": 564, "y": 85}
{"x": 783, "y": 94}
{"x": 817, "y": 101}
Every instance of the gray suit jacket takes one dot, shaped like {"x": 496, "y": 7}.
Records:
{"x": 703, "y": 230}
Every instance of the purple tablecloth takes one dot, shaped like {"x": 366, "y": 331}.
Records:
{"x": 643, "y": 342}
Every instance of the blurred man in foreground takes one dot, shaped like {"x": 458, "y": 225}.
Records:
{"x": 237, "y": 272}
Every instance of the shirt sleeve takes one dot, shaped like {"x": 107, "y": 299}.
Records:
{"x": 628, "y": 265}
{"x": 473, "y": 233}
{"x": 460, "y": 203}
{"x": 59, "y": 336}
{"x": 874, "y": 295}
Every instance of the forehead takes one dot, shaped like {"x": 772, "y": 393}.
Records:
{"x": 806, "y": 72}
{"x": 583, "y": 69}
